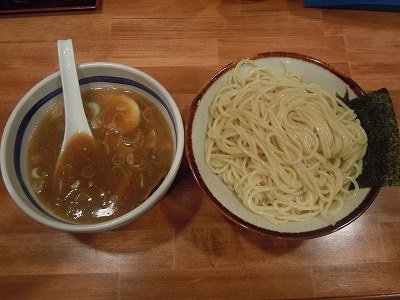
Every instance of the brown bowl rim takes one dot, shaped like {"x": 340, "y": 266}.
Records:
{"x": 357, "y": 212}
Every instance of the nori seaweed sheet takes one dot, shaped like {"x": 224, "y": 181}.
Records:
{"x": 381, "y": 163}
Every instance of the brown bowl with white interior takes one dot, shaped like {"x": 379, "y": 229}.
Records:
{"x": 225, "y": 197}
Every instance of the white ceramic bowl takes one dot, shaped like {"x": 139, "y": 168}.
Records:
{"x": 32, "y": 107}
{"x": 311, "y": 71}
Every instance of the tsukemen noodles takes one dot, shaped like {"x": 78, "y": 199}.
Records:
{"x": 289, "y": 149}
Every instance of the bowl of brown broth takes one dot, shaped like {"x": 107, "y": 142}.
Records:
{"x": 132, "y": 162}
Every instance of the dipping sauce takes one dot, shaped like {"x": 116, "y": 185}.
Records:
{"x": 107, "y": 177}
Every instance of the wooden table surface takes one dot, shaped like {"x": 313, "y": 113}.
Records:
{"x": 184, "y": 248}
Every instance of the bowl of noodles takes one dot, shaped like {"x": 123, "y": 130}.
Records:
{"x": 271, "y": 143}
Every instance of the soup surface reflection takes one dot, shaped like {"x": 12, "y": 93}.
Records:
{"x": 101, "y": 179}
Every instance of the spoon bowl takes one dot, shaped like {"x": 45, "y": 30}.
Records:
{"x": 75, "y": 118}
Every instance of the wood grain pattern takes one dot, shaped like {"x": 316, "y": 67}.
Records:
{"x": 184, "y": 248}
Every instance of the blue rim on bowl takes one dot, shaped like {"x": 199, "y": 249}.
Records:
{"x": 198, "y": 115}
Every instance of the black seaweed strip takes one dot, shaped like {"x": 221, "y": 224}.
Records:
{"x": 381, "y": 163}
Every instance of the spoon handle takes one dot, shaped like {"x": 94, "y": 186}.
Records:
{"x": 75, "y": 118}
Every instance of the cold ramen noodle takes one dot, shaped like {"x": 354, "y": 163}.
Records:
{"x": 290, "y": 150}
{"x": 104, "y": 178}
